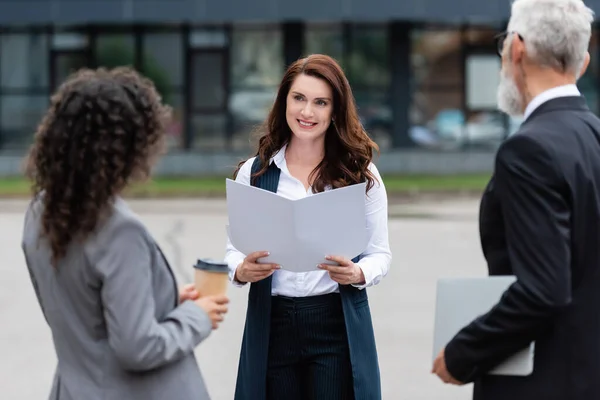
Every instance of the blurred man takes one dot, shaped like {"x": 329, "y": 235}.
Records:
{"x": 540, "y": 219}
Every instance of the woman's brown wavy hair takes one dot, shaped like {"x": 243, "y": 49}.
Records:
{"x": 348, "y": 147}
{"x": 103, "y": 130}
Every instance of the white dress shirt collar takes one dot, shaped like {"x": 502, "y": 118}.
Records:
{"x": 279, "y": 157}
{"x": 279, "y": 160}
{"x": 559, "y": 91}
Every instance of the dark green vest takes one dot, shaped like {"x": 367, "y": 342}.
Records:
{"x": 252, "y": 371}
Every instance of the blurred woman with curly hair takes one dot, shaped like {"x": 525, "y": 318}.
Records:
{"x": 121, "y": 328}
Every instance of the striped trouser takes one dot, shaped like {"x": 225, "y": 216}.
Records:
{"x": 308, "y": 350}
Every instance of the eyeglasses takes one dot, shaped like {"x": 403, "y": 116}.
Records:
{"x": 501, "y": 38}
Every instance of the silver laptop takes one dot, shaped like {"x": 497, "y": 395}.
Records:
{"x": 459, "y": 301}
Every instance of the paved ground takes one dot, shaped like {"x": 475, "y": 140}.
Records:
{"x": 428, "y": 241}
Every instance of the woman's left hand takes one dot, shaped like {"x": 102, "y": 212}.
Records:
{"x": 188, "y": 292}
{"x": 346, "y": 273}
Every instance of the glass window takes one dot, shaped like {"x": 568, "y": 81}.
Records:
{"x": 368, "y": 71}
{"x": 69, "y": 41}
{"x": 368, "y": 57}
{"x": 163, "y": 59}
{"x": 176, "y": 128}
{"x": 481, "y": 37}
{"x": 24, "y": 61}
{"x": 208, "y": 38}
{"x": 436, "y": 58}
{"x": 115, "y": 50}
{"x": 22, "y": 111}
{"x": 437, "y": 119}
{"x": 257, "y": 66}
{"x": 249, "y": 109}
{"x": 324, "y": 39}
{"x": 19, "y": 118}
{"x": 256, "y": 57}
{"x": 485, "y": 129}
{"x": 65, "y": 63}
{"x": 375, "y": 114}
{"x": 208, "y": 80}
{"x": 482, "y": 74}
{"x": 208, "y": 131}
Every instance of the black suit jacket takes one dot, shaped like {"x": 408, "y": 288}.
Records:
{"x": 540, "y": 221}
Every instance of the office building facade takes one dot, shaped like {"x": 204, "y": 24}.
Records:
{"x": 424, "y": 73}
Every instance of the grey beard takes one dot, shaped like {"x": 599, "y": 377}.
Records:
{"x": 510, "y": 99}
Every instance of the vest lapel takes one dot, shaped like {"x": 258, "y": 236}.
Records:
{"x": 252, "y": 370}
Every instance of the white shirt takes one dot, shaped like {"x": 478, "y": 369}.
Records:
{"x": 375, "y": 260}
{"x": 555, "y": 92}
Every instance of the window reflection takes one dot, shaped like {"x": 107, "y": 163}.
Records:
{"x": 24, "y": 61}
{"x": 66, "y": 63}
{"x": 368, "y": 70}
{"x": 484, "y": 129}
{"x": 481, "y": 37}
{"x": 69, "y": 41}
{"x": 436, "y": 118}
{"x": 163, "y": 59}
{"x": 20, "y": 115}
{"x": 363, "y": 54}
{"x": 208, "y": 81}
{"x": 375, "y": 114}
{"x": 368, "y": 62}
{"x": 208, "y": 131}
{"x": 249, "y": 109}
{"x": 482, "y": 75}
{"x": 257, "y": 66}
{"x": 454, "y": 105}
{"x": 209, "y": 99}
{"x": 176, "y": 127}
{"x": 208, "y": 38}
{"x": 324, "y": 39}
{"x": 436, "y": 58}
{"x": 439, "y": 121}
{"x": 115, "y": 50}
{"x": 256, "y": 57}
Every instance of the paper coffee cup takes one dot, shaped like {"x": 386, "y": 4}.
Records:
{"x": 211, "y": 277}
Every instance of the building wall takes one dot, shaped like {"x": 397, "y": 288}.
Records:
{"x": 269, "y": 11}
{"x": 22, "y": 12}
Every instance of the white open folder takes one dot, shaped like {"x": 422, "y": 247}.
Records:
{"x": 299, "y": 234}
{"x": 461, "y": 300}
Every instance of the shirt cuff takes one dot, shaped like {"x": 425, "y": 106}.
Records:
{"x": 369, "y": 276}
{"x": 233, "y": 266}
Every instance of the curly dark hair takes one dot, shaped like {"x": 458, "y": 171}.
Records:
{"x": 102, "y": 131}
{"x": 348, "y": 148}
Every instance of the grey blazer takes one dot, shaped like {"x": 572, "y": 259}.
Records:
{"x": 112, "y": 306}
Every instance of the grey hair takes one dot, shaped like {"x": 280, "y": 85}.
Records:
{"x": 556, "y": 33}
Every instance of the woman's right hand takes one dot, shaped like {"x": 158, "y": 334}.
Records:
{"x": 252, "y": 271}
{"x": 215, "y": 307}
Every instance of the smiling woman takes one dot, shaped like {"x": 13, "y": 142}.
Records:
{"x": 313, "y": 141}
{"x": 314, "y": 90}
